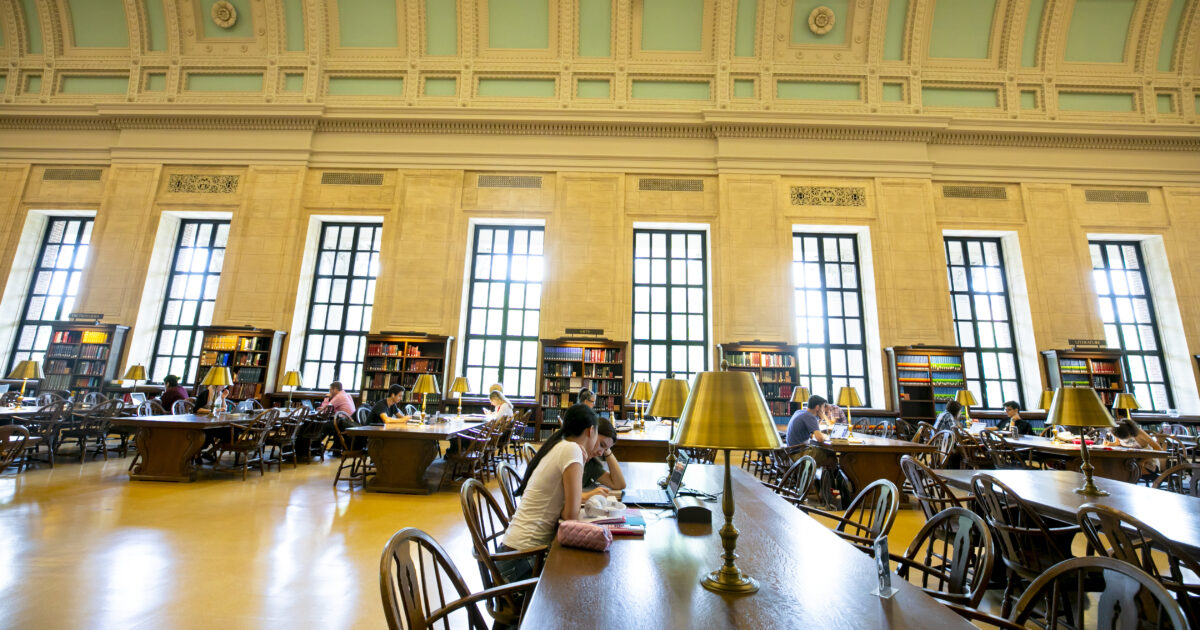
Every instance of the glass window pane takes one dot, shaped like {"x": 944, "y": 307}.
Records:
{"x": 669, "y": 303}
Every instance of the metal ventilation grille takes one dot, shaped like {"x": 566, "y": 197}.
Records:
{"x": 71, "y": 175}
{"x": 352, "y": 179}
{"x": 974, "y": 192}
{"x": 509, "y": 181}
{"x": 671, "y": 185}
{"x": 1116, "y": 196}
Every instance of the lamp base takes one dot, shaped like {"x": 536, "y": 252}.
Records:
{"x": 730, "y": 582}
{"x": 1090, "y": 489}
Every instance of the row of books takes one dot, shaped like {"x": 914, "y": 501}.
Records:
{"x": 423, "y": 365}
{"x": 776, "y": 376}
{"x": 382, "y": 380}
{"x": 605, "y": 388}
{"x": 390, "y": 349}
{"x": 93, "y": 352}
{"x": 559, "y": 369}
{"x": 562, "y": 354}
{"x": 80, "y": 336}
{"x": 385, "y": 364}
{"x": 1105, "y": 382}
{"x": 603, "y": 355}
{"x": 90, "y": 368}
{"x": 62, "y": 352}
{"x": 760, "y": 359}
{"x": 56, "y": 381}
{"x": 772, "y": 390}
{"x": 57, "y": 366}
{"x": 780, "y": 408}
{"x": 233, "y": 342}
{"x": 1072, "y": 365}
{"x": 919, "y": 361}
{"x": 250, "y": 374}
{"x": 1104, "y": 367}
{"x": 242, "y": 391}
{"x": 601, "y": 371}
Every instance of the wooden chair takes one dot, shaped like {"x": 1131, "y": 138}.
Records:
{"x": 151, "y": 408}
{"x": 92, "y": 426}
{"x": 182, "y": 407}
{"x": 516, "y": 437}
{"x": 486, "y": 523}
{"x": 869, "y": 516}
{"x": 924, "y": 433}
{"x": 93, "y": 398}
{"x": 933, "y": 495}
{"x": 950, "y": 558}
{"x": 469, "y": 458}
{"x": 904, "y": 430}
{"x": 1001, "y": 453}
{"x": 1181, "y": 479}
{"x": 416, "y": 576}
{"x": 510, "y": 481}
{"x": 361, "y": 415}
{"x": 701, "y": 455}
{"x": 946, "y": 443}
{"x": 527, "y": 453}
{"x": 1115, "y": 534}
{"x": 354, "y": 461}
{"x": 281, "y": 440}
{"x": 249, "y": 441}
{"x": 972, "y": 453}
{"x": 1097, "y": 592}
{"x": 1028, "y": 544}
{"x": 8, "y": 399}
{"x": 46, "y": 423}
{"x": 794, "y": 484}
{"x": 13, "y": 442}
{"x": 51, "y": 397}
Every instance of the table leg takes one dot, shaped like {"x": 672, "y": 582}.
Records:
{"x": 400, "y": 464}
{"x": 167, "y": 453}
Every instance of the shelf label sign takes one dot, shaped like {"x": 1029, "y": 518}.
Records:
{"x": 585, "y": 331}
{"x": 85, "y": 317}
{"x": 1090, "y": 343}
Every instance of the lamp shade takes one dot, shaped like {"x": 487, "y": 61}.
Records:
{"x": 1047, "y": 399}
{"x": 727, "y": 410}
{"x": 848, "y": 397}
{"x": 136, "y": 372}
{"x": 1125, "y": 401}
{"x": 460, "y": 386}
{"x": 498, "y": 387}
{"x": 966, "y": 398}
{"x": 426, "y": 384}
{"x": 26, "y": 370}
{"x": 669, "y": 398}
{"x": 219, "y": 376}
{"x": 1078, "y": 407}
{"x": 641, "y": 392}
{"x": 291, "y": 378}
{"x": 800, "y": 395}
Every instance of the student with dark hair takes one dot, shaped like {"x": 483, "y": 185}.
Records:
{"x": 338, "y": 399}
{"x": 1013, "y": 411}
{"x": 1130, "y": 435}
{"x": 948, "y": 419}
{"x": 806, "y": 423}
{"x": 586, "y": 397}
{"x": 603, "y": 468}
{"x": 172, "y": 392}
{"x": 386, "y": 410}
{"x": 552, "y": 490}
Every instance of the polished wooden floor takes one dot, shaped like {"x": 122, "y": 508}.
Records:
{"x": 83, "y": 547}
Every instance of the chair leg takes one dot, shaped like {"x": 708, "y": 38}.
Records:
{"x": 1009, "y": 590}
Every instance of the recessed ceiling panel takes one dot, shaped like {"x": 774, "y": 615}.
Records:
{"x": 441, "y": 27}
{"x": 367, "y": 24}
{"x": 595, "y": 28}
{"x": 521, "y": 24}
{"x": 33, "y": 26}
{"x": 99, "y": 23}
{"x": 1099, "y": 29}
{"x": 962, "y": 29}
{"x": 673, "y": 25}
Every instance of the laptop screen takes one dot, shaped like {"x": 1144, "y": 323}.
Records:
{"x": 839, "y": 432}
{"x": 676, "y": 479}
{"x": 307, "y": 403}
{"x": 137, "y": 397}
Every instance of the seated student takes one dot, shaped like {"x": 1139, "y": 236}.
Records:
{"x": 602, "y": 467}
{"x": 338, "y": 399}
{"x": 1129, "y": 435}
{"x": 586, "y": 397}
{"x": 387, "y": 409}
{"x": 806, "y": 423}
{"x": 948, "y": 419}
{"x": 172, "y": 392}
{"x": 552, "y": 490}
{"x": 504, "y": 408}
{"x": 210, "y": 398}
{"x": 1013, "y": 411}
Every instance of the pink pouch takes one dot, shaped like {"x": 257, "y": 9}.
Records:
{"x": 584, "y": 536}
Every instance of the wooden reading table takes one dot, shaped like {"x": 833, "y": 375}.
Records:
{"x": 168, "y": 444}
{"x": 866, "y": 458}
{"x": 1111, "y": 462}
{"x": 402, "y": 452}
{"x": 808, "y": 576}
{"x": 646, "y": 445}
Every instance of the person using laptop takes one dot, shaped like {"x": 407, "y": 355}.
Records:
{"x": 551, "y": 491}
{"x": 1012, "y": 410}
{"x": 603, "y": 468}
{"x": 172, "y": 391}
{"x": 386, "y": 410}
{"x": 806, "y": 423}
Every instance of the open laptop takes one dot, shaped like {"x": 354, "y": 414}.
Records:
{"x": 137, "y": 398}
{"x": 658, "y": 497}
{"x": 839, "y": 432}
{"x": 307, "y": 404}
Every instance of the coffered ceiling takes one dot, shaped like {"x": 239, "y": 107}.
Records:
{"x": 1063, "y": 60}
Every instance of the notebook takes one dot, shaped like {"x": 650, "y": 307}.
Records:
{"x": 657, "y": 497}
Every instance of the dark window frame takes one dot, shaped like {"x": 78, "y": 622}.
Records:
{"x": 1103, "y": 245}
{"x": 828, "y": 347}
{"x": 970, "y": 293}
{"x": 512, "y": 388}
{"x": 87, "y": 223}
{"x": 669, "y": 342}
{"x": 192, "y": 357}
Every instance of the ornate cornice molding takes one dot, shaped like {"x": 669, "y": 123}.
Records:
{"x": 709, "y": 125}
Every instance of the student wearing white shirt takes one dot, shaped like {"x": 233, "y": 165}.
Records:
{"x": 552, "y": 490}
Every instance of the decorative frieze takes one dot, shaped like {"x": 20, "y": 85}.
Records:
{"x": 829, "y": 196}
{"x": 203, "y": 184}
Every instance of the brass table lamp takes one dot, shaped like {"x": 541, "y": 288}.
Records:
{"x": 291, "y": 379}
{"x": 641, "y": 392}
{"x": 727, "y": 411}
{"x": 460, "y": 386}
{"x": 847, "y": 398}
{"x": 1047, "y": 400}
{"x": 1127, "y": 402}
{"x": 26, "y": 370}
{"x": 667, "y": 402}
{"x": 967, "y": 400}
{"x": 426, "y": 384}
{"x": 1080, "y": 407}
{"x": 135, "y": 373}
{"x": 800, "y": 395}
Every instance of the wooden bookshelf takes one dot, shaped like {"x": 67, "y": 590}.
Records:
{"x": 1101, "y": 369}
{"x": 924, "y": 379}
{"x": 251, "y": 354}
{"x": 773, "y": 364}
{"x": 83, "y": 358}
{"x": 399, "y": 358}
{"x": 569, "y": 365}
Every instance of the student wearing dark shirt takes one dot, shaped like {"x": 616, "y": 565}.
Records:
{"x": 385, "y": 410}
{"x": 806, "y": 423}
{"x": 1013, "y": 411}
{"x": 172, "y": 392}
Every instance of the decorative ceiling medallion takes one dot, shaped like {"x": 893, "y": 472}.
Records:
{"x": 225, "y": 16}
{"x": 820, "y": 21}
{"x": 828, "y": 196}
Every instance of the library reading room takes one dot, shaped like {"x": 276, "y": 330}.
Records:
{"x": 612, "y": 314}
